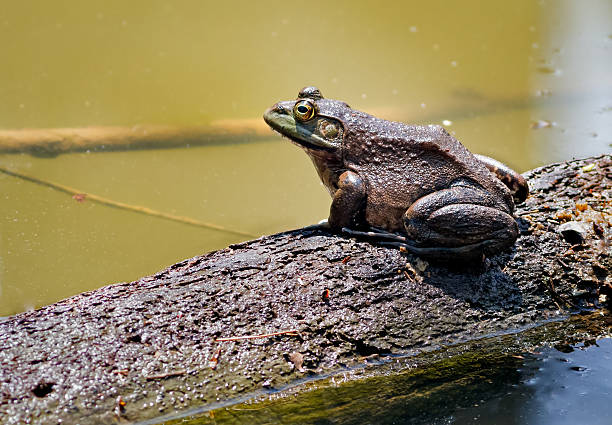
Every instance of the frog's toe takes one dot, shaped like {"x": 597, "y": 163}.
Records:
{"x": 468, "y": 252}
{"x": 374, "y": 235}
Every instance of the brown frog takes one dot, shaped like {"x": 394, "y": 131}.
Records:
{"x": 411, "y": 186}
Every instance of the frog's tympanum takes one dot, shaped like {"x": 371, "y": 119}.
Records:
{"x": 411, "y": 186}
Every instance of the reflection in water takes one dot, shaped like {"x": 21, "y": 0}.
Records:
{"x": 556, "y": 388}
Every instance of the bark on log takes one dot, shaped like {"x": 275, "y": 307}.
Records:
{"x": 125, "y": 351}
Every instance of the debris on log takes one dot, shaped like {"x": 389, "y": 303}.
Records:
{"x": 265, "y": 313}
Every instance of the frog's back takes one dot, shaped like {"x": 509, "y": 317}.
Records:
{"x": 401, "y": 163}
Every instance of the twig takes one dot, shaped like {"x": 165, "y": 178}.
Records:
{"x": 292, "y": 332}
{"x": 81, "y": 196}
{"x": 214, "y": 360}
{"x": 556, "y": 297}
{"x": 166, "y": 375}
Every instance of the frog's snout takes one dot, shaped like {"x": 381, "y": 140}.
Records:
{"x": 277, "y": 109}
{"x": 272, "y": 114}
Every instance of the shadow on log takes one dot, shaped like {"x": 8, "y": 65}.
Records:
{"x": 266, "y": 313}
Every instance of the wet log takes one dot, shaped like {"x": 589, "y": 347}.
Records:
{"x": 266, "y": 313}
{"x": 48, "y": 142}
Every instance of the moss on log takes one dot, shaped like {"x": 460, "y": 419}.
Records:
{"x": 269, "y": 312}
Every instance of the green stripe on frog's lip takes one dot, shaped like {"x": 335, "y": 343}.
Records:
{"x": 286, "y": 125}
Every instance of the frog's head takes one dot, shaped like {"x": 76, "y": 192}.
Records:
{"x": 312, "y": 122}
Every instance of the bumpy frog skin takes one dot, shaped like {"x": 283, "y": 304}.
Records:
{"x": 415, "y": 187}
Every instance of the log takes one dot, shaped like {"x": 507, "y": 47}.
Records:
{"x": 267, "y": 313}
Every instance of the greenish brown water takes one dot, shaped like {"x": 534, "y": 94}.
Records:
{"x": 489, "y": 69}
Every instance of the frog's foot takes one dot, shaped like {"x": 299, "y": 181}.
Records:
{"x": 384, "y": 238}
{"x": 375, "y": 235}
{"x": 465, "y": 252}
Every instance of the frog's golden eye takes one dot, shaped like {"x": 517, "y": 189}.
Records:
{"x": 303, "y": 110}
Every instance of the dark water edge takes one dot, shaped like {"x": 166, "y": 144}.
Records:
{"x": 555, "y": 387}
{"x": 555, "y": 374}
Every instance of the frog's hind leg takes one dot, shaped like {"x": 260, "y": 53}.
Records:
{"x": 460, "y": 221}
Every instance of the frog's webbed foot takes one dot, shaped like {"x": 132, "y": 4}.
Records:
{"x": 465, "y": 252}
{"x": 383, "y": 238}
{"x": 375, "y": 235}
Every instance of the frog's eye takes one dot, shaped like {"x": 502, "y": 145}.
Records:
{"x": 303, "y": 110}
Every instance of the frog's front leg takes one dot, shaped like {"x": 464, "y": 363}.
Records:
{"x": 347, "y": 208}
{"x": 460, "y": 217}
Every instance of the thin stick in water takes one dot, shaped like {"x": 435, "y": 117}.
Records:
{"x": 80, "y": 196}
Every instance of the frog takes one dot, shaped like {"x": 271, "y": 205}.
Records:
{"x": 415, "y": 187}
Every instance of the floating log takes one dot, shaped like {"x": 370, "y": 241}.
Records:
{"x": 264, "y": 314}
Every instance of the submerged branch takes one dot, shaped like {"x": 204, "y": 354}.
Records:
{"x": 55, "y": 141}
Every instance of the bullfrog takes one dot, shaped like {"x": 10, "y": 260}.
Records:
{"x": 412, "y": 186}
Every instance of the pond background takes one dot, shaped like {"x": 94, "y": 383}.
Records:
{"x": 489, "y": 71}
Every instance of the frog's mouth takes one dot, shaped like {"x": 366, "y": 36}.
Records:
{"x": 280, "y": 118}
